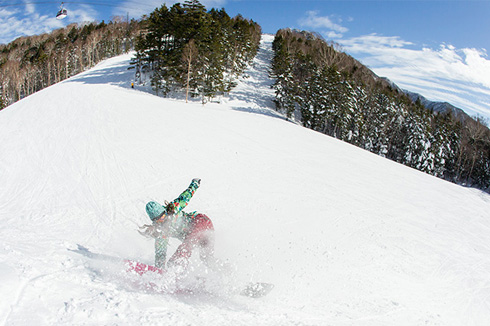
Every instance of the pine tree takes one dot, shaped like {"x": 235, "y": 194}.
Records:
{"x": 282, "y": 73}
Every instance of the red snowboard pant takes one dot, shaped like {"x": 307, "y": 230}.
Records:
{"x": 201, "y": 235}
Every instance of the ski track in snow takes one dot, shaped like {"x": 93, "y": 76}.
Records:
{"x": 346, "y": 237}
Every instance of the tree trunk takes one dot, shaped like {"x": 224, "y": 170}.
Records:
{"x": 188, "y": 80}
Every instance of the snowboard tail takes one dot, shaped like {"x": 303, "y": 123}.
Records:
{"x": 257, "y": 290}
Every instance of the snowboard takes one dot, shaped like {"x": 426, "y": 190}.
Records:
{"x": 251, "y": 290}
{"x": 132, "y": 267}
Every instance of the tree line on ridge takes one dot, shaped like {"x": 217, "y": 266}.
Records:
{"x": 330, "y": 92}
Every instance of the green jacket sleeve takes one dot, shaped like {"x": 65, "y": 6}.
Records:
{"x": 161, "y": 244}
{"x": 184, "y": 197}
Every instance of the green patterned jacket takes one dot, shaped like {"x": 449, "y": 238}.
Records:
{"x": 177, "y": 225}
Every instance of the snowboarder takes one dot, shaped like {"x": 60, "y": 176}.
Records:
{"x": 193, "y": 229}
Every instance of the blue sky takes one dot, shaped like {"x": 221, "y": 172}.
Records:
{"x": 435, "y": 48}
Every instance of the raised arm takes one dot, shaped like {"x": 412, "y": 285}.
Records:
{"x": 182, "y": 201}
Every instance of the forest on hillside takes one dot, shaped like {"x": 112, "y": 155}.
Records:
{"x": 186, "y": 48}
{"x": 189, "y": 50}
{"x": 29, "y": 64}
{"x": 330, "y": 92}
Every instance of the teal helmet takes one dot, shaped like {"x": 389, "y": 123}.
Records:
{"x": 154, "y": 210}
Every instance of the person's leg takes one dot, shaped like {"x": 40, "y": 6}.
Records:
{"x": 206, "y": 246}
{"x": 201, "y": 235}
{"x": 205, "y": 238}
{"x": 182, "y": 254}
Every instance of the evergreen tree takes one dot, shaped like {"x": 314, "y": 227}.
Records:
{"x": 283, "y": 75}
{"x": 166, "y": 48}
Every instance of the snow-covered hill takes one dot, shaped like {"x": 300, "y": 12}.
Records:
{"x": 347, "y": 237}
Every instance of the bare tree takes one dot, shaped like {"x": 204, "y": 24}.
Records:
{"x": 189, "y": 56}
{"x": 477, "y": 139}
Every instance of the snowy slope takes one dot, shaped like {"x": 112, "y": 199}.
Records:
{"x": 347, "y": 237}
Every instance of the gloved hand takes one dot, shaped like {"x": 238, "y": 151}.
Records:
{"x": 197, "y": 180}
{"x": 150, "y": 231}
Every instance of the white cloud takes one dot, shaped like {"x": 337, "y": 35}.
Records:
{"x": 323, "y": 22}
{"x": 332, "y": 35}
{"x": 458, "y": 76}
{"x": 213, "y": 3}
{"x": 136, "y": 11}
{"x": 13, "y": 26}
{"x": 31, "y": 21}
{"x": 4, "y": 13}
{"x": 375, "y": 42}
{"x": 30, "y": 7}
{"x": 83, "y": 13}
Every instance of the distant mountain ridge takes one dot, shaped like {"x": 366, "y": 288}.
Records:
{"x": 440, "y": 107}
